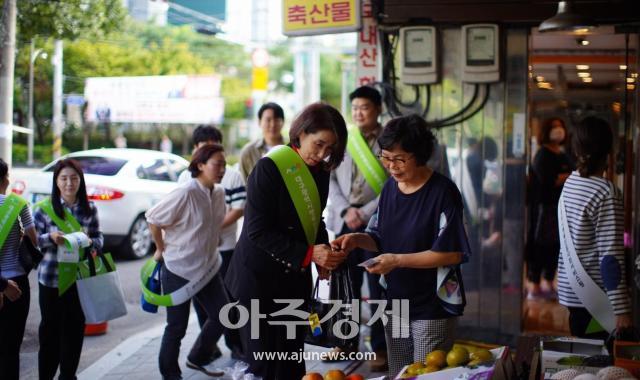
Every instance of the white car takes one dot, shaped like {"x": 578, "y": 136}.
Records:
{"x": 123, "y": 184}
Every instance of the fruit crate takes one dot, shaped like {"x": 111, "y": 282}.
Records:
{"x": 627, "y": 356}
{"x": 499, "y": 368}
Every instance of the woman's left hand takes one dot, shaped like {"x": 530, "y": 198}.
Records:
{"x": 386, "y": 262}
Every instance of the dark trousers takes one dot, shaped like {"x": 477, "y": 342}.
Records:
{"x": 61, "y": 333}
{"x": 272, "y": 340}
{"x": 211, "y": 298}
{"x": 231, "y": 337}
{"x": 579, "y": 319}
{"x": 13, "y": 318}
{"x": 376, "y": 292}
{"x": 543, "y": 261}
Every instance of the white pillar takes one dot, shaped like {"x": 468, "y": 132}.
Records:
{"x": 7, "y": 61}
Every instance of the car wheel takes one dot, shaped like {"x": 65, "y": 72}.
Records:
{"x": 138, "y": 243}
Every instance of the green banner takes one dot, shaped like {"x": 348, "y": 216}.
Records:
{"x": 67, "y": 225}
{"x": 9, "y": 212}
{"x": 302, "y": 188}
{"x": 365, "y": 160}
{"x": 67, "y": 271}
{"x": 151, "y": 297}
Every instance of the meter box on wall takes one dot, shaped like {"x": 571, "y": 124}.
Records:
{"x": 480, "y": 53}
{"x": 419, "y": 59}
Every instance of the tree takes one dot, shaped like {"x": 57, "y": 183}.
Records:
{"x": 68, "y": 19}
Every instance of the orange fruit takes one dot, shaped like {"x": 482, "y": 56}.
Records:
{"x": 481, "y": 354}
{"x": 334, "y": 374}
{"x": 354, "y": 376}
{"x": 312, "y": 376}
{"x": 437, "y": 358}
{"x": 412, "y": 369}
{"x": 457, "y": 357}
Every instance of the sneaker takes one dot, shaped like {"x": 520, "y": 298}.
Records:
{"x": 206, "y": 369}
{"x": 236, "y": 354}
{"x": 214, "y": 355}
{"x": 379, "y": 364}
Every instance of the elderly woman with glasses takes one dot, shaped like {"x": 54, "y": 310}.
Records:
{"x": 421, "y": 240}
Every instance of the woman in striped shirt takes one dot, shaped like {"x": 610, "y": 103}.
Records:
{"x": 593, "y": 214}
{"x": 14, "y": 284}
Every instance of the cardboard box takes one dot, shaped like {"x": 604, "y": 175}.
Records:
{"x": 574, "y": 345}
{"x": 500, "y": 368}
{"x": 555, "y": 349}
{"x": 625, "y": 355}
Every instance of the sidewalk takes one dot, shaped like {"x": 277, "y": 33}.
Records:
{"x": 137, "y": 358}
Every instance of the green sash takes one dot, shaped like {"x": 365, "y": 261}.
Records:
{"x": 366, "y": 162}
{"x": 301, "y": 187}
{"x": 9, "y": 212}
{"x": 67, "y": 271}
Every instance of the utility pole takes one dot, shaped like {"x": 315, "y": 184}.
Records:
{"x": 8, "y": 35}
{"x": 57, "y": 99}
{"x": 33, "y": 54}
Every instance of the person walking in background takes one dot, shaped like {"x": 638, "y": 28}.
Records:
{"x": 277, "y": 244}
{"x": 14, "y": 283}
{"x": 235, "y": 197}
{"x": 61, "y": 330}
{"x": 591, "y": 222}
{"x": 419, "y": 231}
{"x": 271, "y": 119}
{"x": 166, "y": 145}
{"x": 550, "y": 168}
{"x": 185, "y": 226}
{"x": 353, "y": 196}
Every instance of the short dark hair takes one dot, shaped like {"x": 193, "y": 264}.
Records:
{"x": 592, "y": 141}
{"x": 412, "y": 133}
{"x": 4, "y": 169}
{"x": 204, "y": 133}
{"x": 317, "y": 117}
{"x": 83, "y": 201}
{"x": 367, "y": 92}
{"x": 545, "y": 130}
{"x": 278, "y": 112}
{"x": 201, "y": 156}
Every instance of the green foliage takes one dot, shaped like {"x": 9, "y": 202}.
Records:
{"x": 68, "y": 19}
{"x": 330, "y": 79}
{"x": 42, "y": 154}
{"x": 281, "y": 64}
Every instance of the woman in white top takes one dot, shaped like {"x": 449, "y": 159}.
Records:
{"x": 191, "y": 217}
{"x": 594, "y": 217}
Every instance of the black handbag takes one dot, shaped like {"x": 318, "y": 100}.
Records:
{"x": 337, "y": 328}
{"x": 29, "y": 255}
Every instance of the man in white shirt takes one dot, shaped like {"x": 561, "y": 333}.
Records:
{"x": 235, "y": 197}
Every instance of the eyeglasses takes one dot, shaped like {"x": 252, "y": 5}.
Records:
{"x": 398, "y": 162}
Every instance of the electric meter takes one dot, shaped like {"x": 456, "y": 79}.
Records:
{"x": 480, "y": 53}
{"x": 419, "y": 60}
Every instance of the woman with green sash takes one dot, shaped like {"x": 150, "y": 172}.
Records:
{"x": 14, "y": 284}
{"x": 68, "y": 210}
{"x": 282, "y": 234}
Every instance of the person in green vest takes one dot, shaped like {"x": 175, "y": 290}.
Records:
{"x": 354, "y": 189}
{"x": 282, "y": 234}
{"x": 14, "y": 284}
{"x": 61, "y": 330}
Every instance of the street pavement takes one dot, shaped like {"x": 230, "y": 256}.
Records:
{"x": 131, "y": 345}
